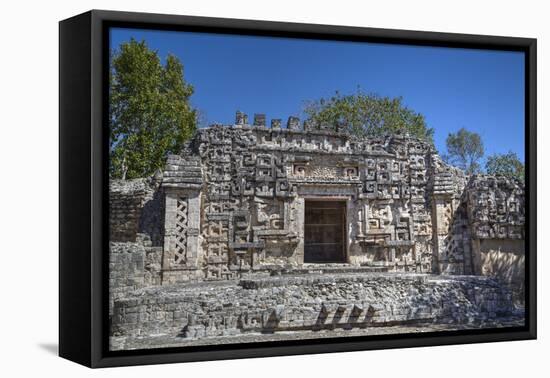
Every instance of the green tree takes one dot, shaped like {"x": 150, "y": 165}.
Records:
{"x": 465, "y": 150}
{"x": 368, "y": 115}
{"x": 150, "y": 114}
{"x": 507, "y": 165}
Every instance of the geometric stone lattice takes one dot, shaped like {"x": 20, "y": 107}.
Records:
{"x": 180, "y": 256}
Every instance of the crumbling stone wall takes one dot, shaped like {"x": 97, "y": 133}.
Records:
{"x": 135, "y": 206}
{"x": 136, "y": 228}
{"x": 132, "y": 266}
{"x": 496, "y": 209}
{"x": 450, "y": 248}
{"x": 311, "y": 302}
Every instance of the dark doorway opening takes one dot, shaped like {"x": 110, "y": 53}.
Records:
{"x": 324, "y": 231}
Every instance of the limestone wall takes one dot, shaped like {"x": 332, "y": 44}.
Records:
{"x": 496, "y": 206}
{"x": 252, "y": 182}
{"x": 496, "y": 210}
{"x": 132, "y": 266}
{"x": 135, "y": 206}
{"x": 136, "y": 228}
{"x": 505, "y": 259}
{"x": 310, "y": 302}
{"x": 449, "y": 219}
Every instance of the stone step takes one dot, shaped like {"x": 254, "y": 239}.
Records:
{"x": 335, "y": 268}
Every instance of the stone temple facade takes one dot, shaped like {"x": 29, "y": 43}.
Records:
{"x": 244, "y": 203}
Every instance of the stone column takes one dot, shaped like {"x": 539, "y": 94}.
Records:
{"x": 299, "y": 207}
{"x": 476, "y": 257}
{"x": 171, "y": 198}
{"x": 181, "y": 234}
{"x": 441, "y": 215}
{"x": 193, "y": 231}
{"x": 350, "y": 221}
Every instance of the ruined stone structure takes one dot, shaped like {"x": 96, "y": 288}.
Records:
{"x": 243, "y": 202}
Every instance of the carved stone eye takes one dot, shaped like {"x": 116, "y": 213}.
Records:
{"x": 299, "y": 170}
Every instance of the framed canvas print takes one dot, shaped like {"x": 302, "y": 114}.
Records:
{"x": 235, "y": 188}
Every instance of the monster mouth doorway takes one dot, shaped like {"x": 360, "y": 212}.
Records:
{"x": 324, "y": 231}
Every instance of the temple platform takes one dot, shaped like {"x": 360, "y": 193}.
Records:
{"x": 308, "y": 305}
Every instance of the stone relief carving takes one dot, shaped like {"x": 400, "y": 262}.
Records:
{"x": 180, "y": 255}
{"x": 407, "y": 209}
{"x": 231, "y": 205}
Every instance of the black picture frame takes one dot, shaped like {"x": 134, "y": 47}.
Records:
{"x": 83, "y": 195}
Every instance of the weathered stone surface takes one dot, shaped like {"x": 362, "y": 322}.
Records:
{"x": 179, "y": 341}
{"x": 259, "y": 120}
{"x": 136, "y": 207}
{"x": 309, "y": 302}
{"x": 230, "y": 207}
{"x": 126, "y": 200}
{"x": 496, "y": 207}
{"x": 293, "y": 123}
{"x": 132, "y": 266}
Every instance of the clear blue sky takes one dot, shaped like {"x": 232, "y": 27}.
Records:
{"x": 480, "y": 90}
